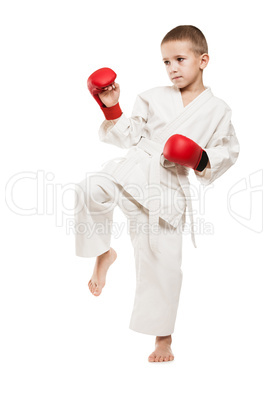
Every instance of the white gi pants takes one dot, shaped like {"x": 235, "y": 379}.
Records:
{"x": 158, "y": 276}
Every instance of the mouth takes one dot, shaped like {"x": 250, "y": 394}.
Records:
{"x": 176, "y": 78}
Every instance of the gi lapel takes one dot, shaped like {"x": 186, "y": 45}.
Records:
{"x": 187, "y": 112}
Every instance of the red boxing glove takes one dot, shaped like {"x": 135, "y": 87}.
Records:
{"x": 184, "y": 151}
{"x": 96, "y": 82}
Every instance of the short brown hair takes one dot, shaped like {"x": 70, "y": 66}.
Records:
{"x": 190, "y": 33}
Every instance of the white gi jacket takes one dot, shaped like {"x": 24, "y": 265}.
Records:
{"x": 159, "y": 185}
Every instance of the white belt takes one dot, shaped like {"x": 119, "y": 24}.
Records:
{"x": 155, "y": 150}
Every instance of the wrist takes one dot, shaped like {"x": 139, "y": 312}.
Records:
{"x": 112, "y": 112}
{"x": 203, "y": 162}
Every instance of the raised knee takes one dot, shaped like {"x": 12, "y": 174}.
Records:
{"x": 93, "y": 191}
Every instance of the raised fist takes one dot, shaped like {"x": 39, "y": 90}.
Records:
{"x": 105, "y": 91}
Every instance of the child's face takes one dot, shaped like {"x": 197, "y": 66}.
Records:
{"x": 184, "y": 68}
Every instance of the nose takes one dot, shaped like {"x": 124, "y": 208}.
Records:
{"x": 173, "y": 67}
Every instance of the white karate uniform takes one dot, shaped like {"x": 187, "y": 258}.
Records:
{"x": 156, "y": 193}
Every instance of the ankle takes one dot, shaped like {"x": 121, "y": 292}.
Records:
{"x": 103, "y": 255}
{"x": 166, "y": 339}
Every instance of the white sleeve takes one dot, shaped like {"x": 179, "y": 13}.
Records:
{"x": 125, "y": 132}
{"x": 222, "y": 150}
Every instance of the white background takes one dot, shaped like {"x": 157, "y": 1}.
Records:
{"x": 58, "y": 342}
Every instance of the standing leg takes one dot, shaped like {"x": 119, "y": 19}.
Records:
{"x": 159, "y": 280}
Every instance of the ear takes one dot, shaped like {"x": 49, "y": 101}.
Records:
{"x": 204, "y": 59}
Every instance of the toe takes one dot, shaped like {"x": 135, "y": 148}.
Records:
{"x": 96, "y": 291}
{"x": 151, "y": 358}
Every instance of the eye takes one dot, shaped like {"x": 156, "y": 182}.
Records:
{"x": 166, "y": 62}
{"x": 180, "y": 59}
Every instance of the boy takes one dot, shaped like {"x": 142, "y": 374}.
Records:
{"x": 150, "y": 184}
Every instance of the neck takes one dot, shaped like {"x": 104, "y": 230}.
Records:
{"x": 193, "y": 89}
{"x": 188, "y": 94}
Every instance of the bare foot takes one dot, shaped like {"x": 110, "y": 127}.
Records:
{"x": 163, "y": 352}
{"x": 102, "y": 265}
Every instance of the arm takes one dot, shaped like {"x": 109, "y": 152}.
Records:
{"x": 117, "y": 129}
{"x": 125, "y": 132}
{"x": 222, "y": 150}
{"x": 210, "y": 162}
